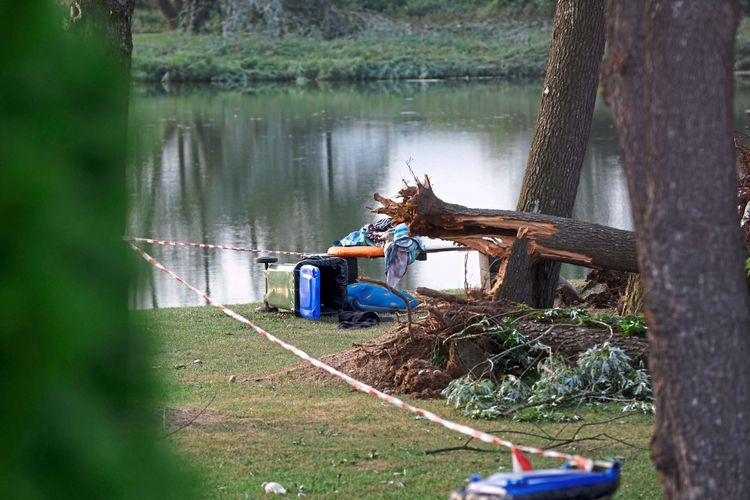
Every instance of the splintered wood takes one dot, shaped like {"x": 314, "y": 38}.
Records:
{"x": 494, "y": 232}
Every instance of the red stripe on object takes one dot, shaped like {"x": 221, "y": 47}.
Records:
{"x": 214, "y": 246}
{"x": 520, "y": 462}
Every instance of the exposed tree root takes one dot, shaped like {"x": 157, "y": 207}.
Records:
{"x": 448, "y": 341}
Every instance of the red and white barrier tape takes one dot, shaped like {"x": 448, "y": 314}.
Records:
{"x": 581, "y": 462}
{"x": 212, "y": 245}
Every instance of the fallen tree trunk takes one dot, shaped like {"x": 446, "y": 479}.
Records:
{"x": 494, "y": 232}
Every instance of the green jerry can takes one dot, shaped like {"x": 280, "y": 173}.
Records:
{"x": 280, "y": 289}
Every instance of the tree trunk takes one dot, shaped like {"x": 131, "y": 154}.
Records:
{"x": 113, "y": 19}
{"x": 558, "y": 149}
{"x": 170, "y": 13}
{"x": 493, "y": 232}
{"x": 326, "y": 23}
{"x": 669, "y": 82}
{"x": 198, "y": 13}
{"x": 633, "y": 298}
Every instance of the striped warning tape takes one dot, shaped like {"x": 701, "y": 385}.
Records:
{"x": 581, "y": 462}
{"x": 212, "y": 245}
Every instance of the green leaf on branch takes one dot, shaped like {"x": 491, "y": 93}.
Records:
{"x": 601, "y": 373}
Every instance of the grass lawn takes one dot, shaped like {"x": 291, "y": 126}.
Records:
{"x": 323, "y": 438}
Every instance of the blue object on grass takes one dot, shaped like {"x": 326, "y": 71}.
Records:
{"x": 309, "y": 292}
{"x": 548, "y": 484}
{"x": 369, "y": 297}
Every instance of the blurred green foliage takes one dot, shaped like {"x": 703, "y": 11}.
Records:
{"x": 77, "y": 418}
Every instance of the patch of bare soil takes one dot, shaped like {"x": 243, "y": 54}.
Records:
{"x": 447, "y": 342}
{"x": 179, "y": 417}
{"x": 394, "y": 363}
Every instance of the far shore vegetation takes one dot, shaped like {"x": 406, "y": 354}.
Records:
{"x": 428, "y": 42}
{"x": 509, "y": 50}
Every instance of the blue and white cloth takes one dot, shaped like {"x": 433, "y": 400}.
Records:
{"x": 367, "y": 235}
{"x": 400, "y": 253}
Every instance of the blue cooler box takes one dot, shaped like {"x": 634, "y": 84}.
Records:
{"x": 309, "y": 292}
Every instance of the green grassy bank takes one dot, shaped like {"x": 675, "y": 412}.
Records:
{"x": 512, "y": 49}
{"x": 321, "y": 437}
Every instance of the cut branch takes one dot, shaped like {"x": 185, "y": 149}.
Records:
{"x": 435, "y": 294}
{"x": 493, "y": 232}
{"x": 397, "y": 294}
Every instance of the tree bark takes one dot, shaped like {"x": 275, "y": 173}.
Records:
{"x": 633, "y": 298}
{"x": 669, "y": 83}
{"x": 562, "y": 132}
{"x": 113, "y": 19}
{"x": 326, "y": 23}
{"x": 171, "y": 14}
{"x": 493, "y": 232}
{"x": 198, "y": 13}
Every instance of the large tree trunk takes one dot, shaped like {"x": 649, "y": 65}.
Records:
{"x": 494, "y": 232}
{"x": 113, "y": 19}
{"x": 558, "y": 149}
{"x": 669, "y": 82}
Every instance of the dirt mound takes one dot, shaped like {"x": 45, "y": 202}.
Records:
{"x": 453, "y": 338}
{"x": 422, "y": 378}
{"x": 394, "y": 363}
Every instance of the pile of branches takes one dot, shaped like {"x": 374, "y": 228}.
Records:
{"x": 528, "y": 363}
{"x": 453, "y": 337}
{"x": 453, "y": 319}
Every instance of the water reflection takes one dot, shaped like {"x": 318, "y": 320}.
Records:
{"x": 294, "y": 168}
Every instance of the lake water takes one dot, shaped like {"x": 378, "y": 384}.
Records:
{"x": 293, "y": 168}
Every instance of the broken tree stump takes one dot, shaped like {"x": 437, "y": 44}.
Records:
{"x": 494, "y": 232}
